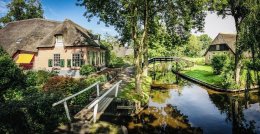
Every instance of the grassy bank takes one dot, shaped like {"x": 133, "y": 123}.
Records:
{"x": 128, "y": 92}
{"x": 203, "y": 73}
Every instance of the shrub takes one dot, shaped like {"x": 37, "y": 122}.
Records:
{"x": 60, "y": 84}
{"x": 227, "y": 75}
{"x": 115, "y": 61}
{"x": 217, "y": 63}
{"x": 33, "y": 114}
{"x": 87, "y": 69}
{"x": 37, "y": 78}
{"x": 11, "y": 77}
{"x": 93, "y": 79}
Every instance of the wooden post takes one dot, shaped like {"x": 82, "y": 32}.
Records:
{"x": 67, "y": 110}
{"x": 117, "y": 86}
{"x": 97, "y": 90}
{"x": 95, "y": 113}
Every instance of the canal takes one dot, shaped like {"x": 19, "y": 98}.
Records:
{"x": 189, "y": 108}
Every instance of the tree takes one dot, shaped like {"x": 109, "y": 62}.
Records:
{"x": 132, "y": 20}
{"x": 193, "y": 47}
{"x": 250, "y": 35}
{"x": 22, "y": 9}
{"x": 10, "y": 75}
{"x": 239, "y": 11}
{"x": 205, "y": 40}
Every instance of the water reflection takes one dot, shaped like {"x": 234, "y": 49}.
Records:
{"x": 189, "y": 108}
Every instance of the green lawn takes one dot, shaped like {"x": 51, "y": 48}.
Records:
{"x": 203, "y": 73}
{"x": 197, "y": 60}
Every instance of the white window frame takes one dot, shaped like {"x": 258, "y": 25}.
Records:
{"x": 59, "y": 40}
{"x": 78, "y": 60}
{"x": 56, "y": 60}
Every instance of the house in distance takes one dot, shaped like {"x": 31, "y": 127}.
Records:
{"x": 222, "y": 44}
{"x": 41, "y": 44}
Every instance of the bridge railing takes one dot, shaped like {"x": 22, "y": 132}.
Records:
{"x": 64, "y": 101}
{"x": 95, "y": 103}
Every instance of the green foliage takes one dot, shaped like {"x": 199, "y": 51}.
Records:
{"x": 218, "y": 62}
{"x": 197, "y": 60}
{"x": 37, "y": 78}
{"x": 93, "y": 79}
{"x": 30, "y": 110}
{"x": 203, "y": 73}
{"x": 33, "y": 114}
{"x": 87, "y": 70}
{"x": 205, "y": 41}
{"x": 116, "y": 62}
{"x": 227, "y": 75}
{"x": 128, "y": 91}
{"x": 22, "y": 9}
{"x": 194, "y": 47}
{"x": 10, "y": 75}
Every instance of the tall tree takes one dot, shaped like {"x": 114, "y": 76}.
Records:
{"x": 205, "y": 40}
{"x": 132, "y": 19}
{"x": 239, "y": 11}
{"x": 250, "y": 35}
{"x": 22, "y": 9}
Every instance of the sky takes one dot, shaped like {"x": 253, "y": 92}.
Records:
{"x": 66, "y": 9}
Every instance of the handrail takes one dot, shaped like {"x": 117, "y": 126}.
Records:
{"x": 69, "y": 97}
{"x": 95, "y": 103}
{"x": 103, "y": 95}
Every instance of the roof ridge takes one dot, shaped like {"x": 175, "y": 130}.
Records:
{"x": 77, "y": 25}
{"x": 227, "y": 33}
{"x": 33, "y": 19}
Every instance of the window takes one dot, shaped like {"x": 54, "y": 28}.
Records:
{"x": 59, "y": 39}
{"x": 217, "y": 47}
{"x": 76, "y": 60}
{"x": 94, "y": 58}
{"x": 103, "y": 57}
{"x": 56, "y": 60}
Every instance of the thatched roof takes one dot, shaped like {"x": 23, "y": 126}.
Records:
{"x": 28, "y": 35}
{"x": 25, "y": 34}
{"x": 122, "y": 51}
{"x": 223, "y": 38}
{"x": 73, "y": 35}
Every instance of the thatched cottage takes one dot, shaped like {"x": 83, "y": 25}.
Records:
{"x": 122, "y": 51}
{"x": 222, "y": 44}
{"x": 44, "y": 44}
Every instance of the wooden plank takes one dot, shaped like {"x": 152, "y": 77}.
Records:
{"x": 85, "y": 113}
{"x": 125, "y": 107}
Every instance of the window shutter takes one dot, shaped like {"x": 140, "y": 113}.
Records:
{"x": 50, "y": 63}
{"x": 68, "y": 62}
{"x": 81, "y": 62}
{"x": 61, "y": 62}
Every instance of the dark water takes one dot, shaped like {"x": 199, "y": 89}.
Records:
{"x": 189, "y": 108}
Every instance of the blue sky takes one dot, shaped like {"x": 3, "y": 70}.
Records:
{"x": 62, "y": 9}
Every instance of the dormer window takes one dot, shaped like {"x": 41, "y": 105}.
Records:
{"x": 59, "y": 40}
{"x": 217, "y": 47}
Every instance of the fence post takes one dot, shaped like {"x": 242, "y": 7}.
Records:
{"x": 95, "y": 113}
{"x": 117, "y": 86}
{"x": 98, "y": 89}
{"x": 67, "y": 110}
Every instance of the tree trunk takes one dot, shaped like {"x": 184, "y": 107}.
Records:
{"x": 137, "y": 51}
{"x": 144, "y": 40}
{"x": 238, "y": 53}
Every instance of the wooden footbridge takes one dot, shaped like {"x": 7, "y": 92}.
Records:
{"x": 168, "y": 59}
{"x": 95, "y": 108}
